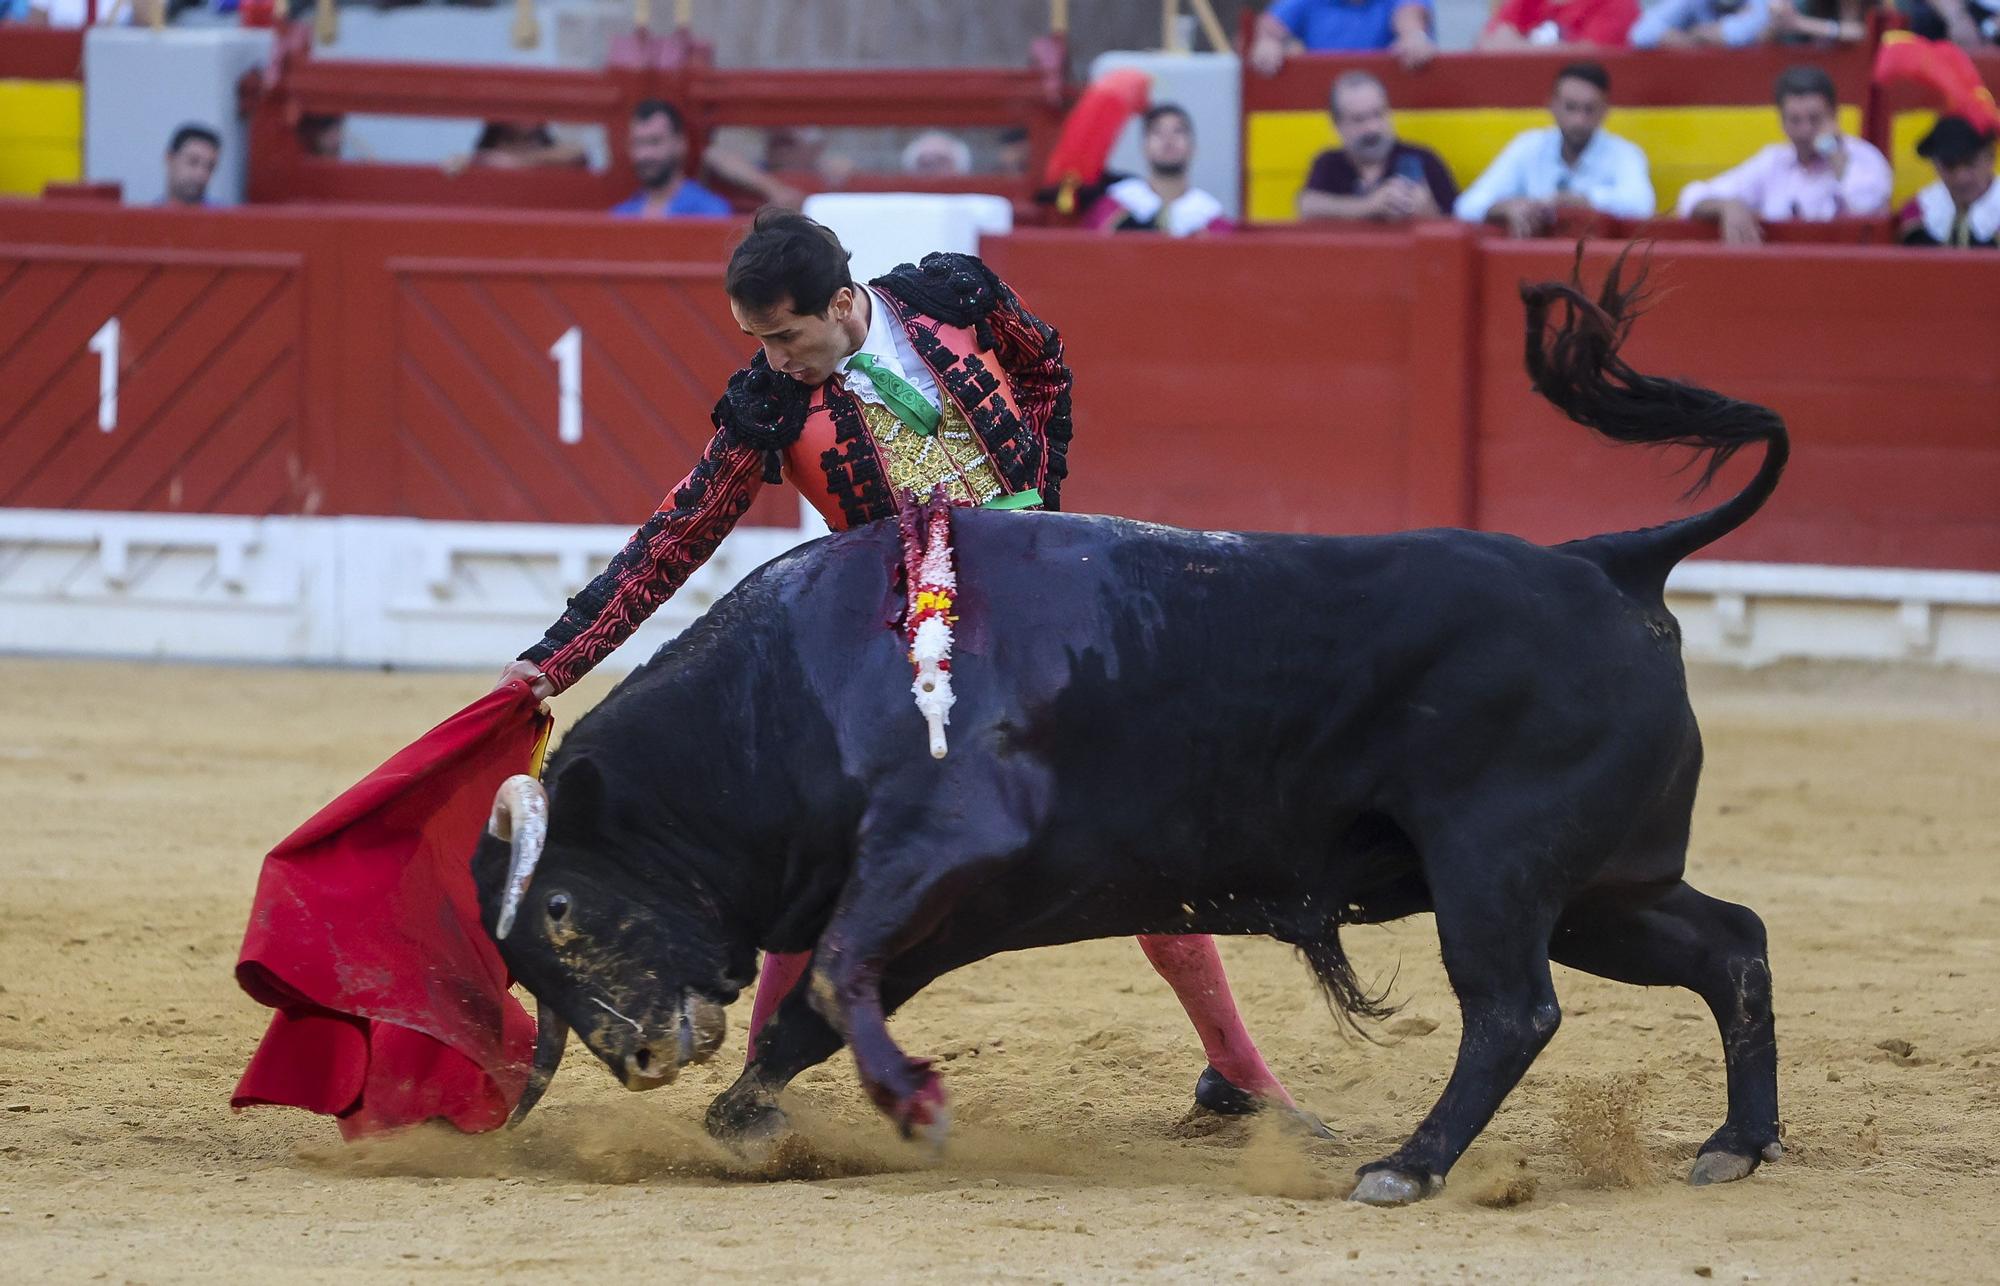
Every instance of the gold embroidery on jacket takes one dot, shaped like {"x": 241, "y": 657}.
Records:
{"x": 951, "y": 456}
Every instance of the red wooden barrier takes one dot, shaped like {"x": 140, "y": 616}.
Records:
{"x": 378, "y": 362}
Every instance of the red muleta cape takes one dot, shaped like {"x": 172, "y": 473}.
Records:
{"x": 365, "y": 936}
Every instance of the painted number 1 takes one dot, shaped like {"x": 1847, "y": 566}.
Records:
{"x": 105, "y": 344}
{"x": 568, "y": 352}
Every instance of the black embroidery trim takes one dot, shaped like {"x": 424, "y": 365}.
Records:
{"x": 762, "y": 408}
{"x": 956, "y": 289}
{"x": 1015, "y": 454}
{"x": 853, "y": 473}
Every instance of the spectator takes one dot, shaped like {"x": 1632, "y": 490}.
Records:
{"x": 1839, "y": 22}
{"x": 1163, "y": 201}
{"x": 520, "y": 145}
{"x": 1818, "y": 173}
{"x": 1403, "y": 27}
{"x": 1575, "y": 24}
{"x": 191, "y": 157}
{"x": 935, "y": 154}
{"x": 657, "y": 141}
{"x": 1701, "y": 24}
{"x": 1572, "y": 163}
{"x": 1373, "y": 174}
{"x": 1963, "y": 207}
{"x": 323, "y": 134}
{"x": 1966, "y": 23}
{"x": 1016, "y": 152}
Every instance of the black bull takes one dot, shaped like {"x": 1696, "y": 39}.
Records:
{"x": 1161, "y": 731}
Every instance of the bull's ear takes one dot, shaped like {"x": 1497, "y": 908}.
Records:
{"x": 576, "y": 796}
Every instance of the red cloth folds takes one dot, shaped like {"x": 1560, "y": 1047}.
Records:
{"x": 365, "y": 936}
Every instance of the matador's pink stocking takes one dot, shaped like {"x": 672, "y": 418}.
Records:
{"x": 774, "y": 982}
{"x": 1193, "y": 968}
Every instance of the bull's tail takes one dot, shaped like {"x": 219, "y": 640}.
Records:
{"x": 1575, "y": 364}
{"x": 1346, "y": 996}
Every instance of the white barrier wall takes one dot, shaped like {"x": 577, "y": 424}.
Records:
{"x": 355, "y": 591}
{"x": 388, "y": 591}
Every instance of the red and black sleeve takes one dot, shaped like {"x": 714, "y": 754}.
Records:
{"x": 1031, "y": 352}
{"x": 657, "y": 561}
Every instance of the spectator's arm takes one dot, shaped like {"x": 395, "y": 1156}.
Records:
{"x": 1746, "y": 25}
{"x": 738, "y": 170}
{"x": 1662, "y": 17}
{"x": 1325, "y": 205}
{"x": 1276, "y": 35}
{"x": 1503, "y": 30}
{"x": 1501, "y": 182}
{"x": 1865, "y": 188}
{"x": 1629, "y": 194}
{"x": 1412, "y": 43}
{"x": 1443, "y": 185}
{"x": 1703, "y": 199}
{"x": 1959, "y": 26}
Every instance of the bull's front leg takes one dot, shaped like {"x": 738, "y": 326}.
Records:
{"x": 880, "y": 928}
{"x": 795, "y": 1038}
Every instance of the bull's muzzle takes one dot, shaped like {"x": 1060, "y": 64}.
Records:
{"x": 694, "y": 1033}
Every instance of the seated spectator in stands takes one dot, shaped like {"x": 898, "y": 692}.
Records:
{"x": 1963, "y": 207}
{"x": 1163, "y": 201}
{"x": 1825, "y": 22}
{"x": 191, "y": 157}
{"x": 1403, "y": 27}
{"x": 1816, "y": 174}
{"x": 323, "y": 134}
{"x": 1966, "y": 23}
{"x": 522, "y": 145}
{"x": 1015, "y": 152}
{"x": 657, "y": 140}
{"x": 935, "y": 154}
{"x": 1547, "y": 24}
{"x": 1571, "y": 163}
{"x": 1701, "y": 24}
{"x": 1373, "y": 174}
{"x": 801, "y": 149}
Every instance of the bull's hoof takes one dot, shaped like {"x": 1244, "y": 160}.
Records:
{"x": 1720, "y": 1167}
{"x": 924, "y": 1114}
{"x": 1393, "y": 1188}
{"x": 1214, "y": 1093}
{"x": 745, "y": 1122}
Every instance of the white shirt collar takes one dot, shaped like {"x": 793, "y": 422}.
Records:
{"x": 1934, "y": 203}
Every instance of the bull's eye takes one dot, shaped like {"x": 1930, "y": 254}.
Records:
{"x": 558, "y": 906}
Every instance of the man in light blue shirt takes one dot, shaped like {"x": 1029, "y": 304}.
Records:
{"x": 1571, "y": 163}
{"x": 658, "y": 146}
{"x": 1700, "y": 24}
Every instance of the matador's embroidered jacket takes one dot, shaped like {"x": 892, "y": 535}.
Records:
{"x": 1005, "y": 432}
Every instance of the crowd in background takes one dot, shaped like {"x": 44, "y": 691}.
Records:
{"x": 1819, "y": 172}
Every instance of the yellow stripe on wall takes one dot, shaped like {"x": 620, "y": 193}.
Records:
{"x": 1683, "y": 144}
{"x": 41, "y": 134}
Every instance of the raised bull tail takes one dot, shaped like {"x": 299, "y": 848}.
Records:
{"x": 1573, "y": 345}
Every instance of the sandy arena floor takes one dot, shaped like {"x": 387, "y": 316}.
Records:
{"x": 1857, "y": 810}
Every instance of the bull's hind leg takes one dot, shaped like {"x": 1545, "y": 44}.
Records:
{"x": 1675, "y": 936}
{"x": 1495, "y": 948}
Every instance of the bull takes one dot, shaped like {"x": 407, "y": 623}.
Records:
{"x": 1160, "y": 731}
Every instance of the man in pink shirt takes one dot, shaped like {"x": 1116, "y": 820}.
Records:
{"x": 1817, "y": 173}
{"x": 1521, "y": 24}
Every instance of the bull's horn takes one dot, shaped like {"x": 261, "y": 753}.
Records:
{"x": 551, "y": 1036}
{"x": 521, "y": 817}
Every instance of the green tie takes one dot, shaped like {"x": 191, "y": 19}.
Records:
{"x": 905, "y": 402}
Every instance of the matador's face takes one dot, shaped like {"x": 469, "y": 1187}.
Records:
{"x": 808, "y": 347}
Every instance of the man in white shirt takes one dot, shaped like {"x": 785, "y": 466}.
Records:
{"x": 1571, "y": 163}
{"x": 1817, "y": 173}
{"x": 1164, "y": 200}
